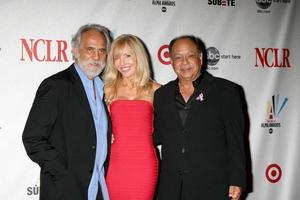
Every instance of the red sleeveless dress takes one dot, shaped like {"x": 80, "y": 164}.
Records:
{"x": 133, "y": 166}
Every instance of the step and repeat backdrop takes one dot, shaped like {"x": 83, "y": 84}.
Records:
{"x": 255, "y": 43}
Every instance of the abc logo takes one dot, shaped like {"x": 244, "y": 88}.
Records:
{"x": 213, "y": 56}
{"x": 263, "y": 4}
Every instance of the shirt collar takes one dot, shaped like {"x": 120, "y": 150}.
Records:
{"x": 85, "y": 81}
{"x": 89, "y": 83}
{"x": 196, "y": 82}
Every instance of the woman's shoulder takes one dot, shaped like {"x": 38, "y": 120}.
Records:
{"x": 155, "y": 86}
{"x": 107, "y": 89}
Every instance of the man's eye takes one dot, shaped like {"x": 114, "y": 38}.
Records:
{"x": 90, "y": 49}
{"x": 102, "y": 51}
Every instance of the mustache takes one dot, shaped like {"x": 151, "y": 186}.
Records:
{"x": 97, "y": 63}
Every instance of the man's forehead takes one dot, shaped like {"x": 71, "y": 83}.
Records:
{"x": 95, "y": 37}
{"x": 184, "y": 43}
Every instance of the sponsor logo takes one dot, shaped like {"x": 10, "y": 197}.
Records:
{"x": 273, "y": 173}
{"x": 214, "y": 56}
{"x": 282, "y": 1}
{"x": 163, "y": 4}
{"x": 163, "y": 55}
{"x": 274, "y": 108}
{"x": 43, "y": 50}
{"x": 221, "y": 2}
{"x": 272, "y": 57}
{"x": 264, "y": 5}
{"x": 35, "y": 190}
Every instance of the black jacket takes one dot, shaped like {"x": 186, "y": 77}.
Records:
{"x": 206, "y": 155}
{"x": 60, "y": 136}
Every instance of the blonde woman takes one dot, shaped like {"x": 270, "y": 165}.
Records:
{"x": 133, "y": 168}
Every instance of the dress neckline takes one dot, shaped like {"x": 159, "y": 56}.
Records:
{"x": 131, "y": 100}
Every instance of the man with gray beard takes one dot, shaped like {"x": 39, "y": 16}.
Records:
{"x": 68, "y": 131}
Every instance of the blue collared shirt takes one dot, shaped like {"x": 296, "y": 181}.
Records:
{"x": 100, "y": 121}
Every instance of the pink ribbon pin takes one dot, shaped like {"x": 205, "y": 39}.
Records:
{"x": 200, "y": 97}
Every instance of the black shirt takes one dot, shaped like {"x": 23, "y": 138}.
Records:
{"x": 182, "y": 106}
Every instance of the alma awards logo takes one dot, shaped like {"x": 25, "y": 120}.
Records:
{"x": 274, "y": 108}
{"x": 164, "y": 4}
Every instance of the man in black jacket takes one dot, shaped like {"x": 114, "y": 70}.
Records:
{"x": 68, "y": 130}
{"x": 199, "y": 122}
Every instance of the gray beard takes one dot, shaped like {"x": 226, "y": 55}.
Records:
{"x": 91, "y": 74}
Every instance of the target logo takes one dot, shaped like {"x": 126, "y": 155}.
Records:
{"x": 163, "y": 55}
{"x": 273, "y": 173}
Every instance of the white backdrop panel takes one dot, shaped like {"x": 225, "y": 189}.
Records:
{"x": 236, "y": 31}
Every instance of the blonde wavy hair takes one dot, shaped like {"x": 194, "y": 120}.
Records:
{"x": 112, "y": 77}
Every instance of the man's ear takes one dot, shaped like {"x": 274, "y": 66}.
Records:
{"x": 201, "y": 58}
{"x": 75, "y": 53}
{"x": 171, "y": 60}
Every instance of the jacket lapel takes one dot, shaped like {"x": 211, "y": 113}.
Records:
{"x": 79, "y": 89}
{"x": 173, "y": 107}
{"x": 109, "y": 128}
{"x": 201, "y": 95}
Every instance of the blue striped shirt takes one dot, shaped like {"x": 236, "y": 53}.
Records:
{"x": 100, "y": 121}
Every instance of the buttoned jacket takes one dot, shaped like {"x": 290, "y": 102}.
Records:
{"x": 206, "y": 155}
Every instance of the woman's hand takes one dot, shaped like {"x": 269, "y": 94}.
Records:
{"x": 112, "y": 138}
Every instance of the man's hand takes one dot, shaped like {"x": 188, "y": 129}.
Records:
{"x": 235, "y": 192}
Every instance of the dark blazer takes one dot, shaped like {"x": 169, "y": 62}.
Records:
{"x": 60, "y": 136}
{"x": 206, "y": 155}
